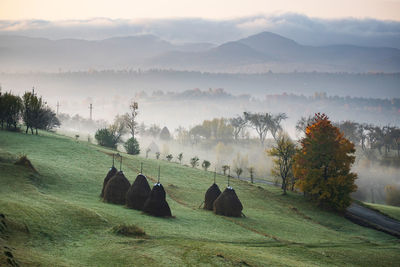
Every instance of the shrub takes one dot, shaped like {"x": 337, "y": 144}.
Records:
{"x": 206, "y": 164}
{"x": 105, "y": 137}
{"x": 128, "y": 230}
{"x": 392, "y": 195}
{"x": 194, "y": 161}
{"x": 132, "y": 146}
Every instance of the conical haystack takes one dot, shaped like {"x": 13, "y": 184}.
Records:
{"x": 228, "y": 204}
{"x": 138, "y": 193}
{"x": 212, "y": 194}
{"x": 156, "y": 204}
{"x": 109, "y": 175}
{"x": 116, "y": 188}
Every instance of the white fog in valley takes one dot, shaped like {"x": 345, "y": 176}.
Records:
{"x": 181, "y": 73}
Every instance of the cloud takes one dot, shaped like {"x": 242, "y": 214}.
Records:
{"x": 303, "y": 29}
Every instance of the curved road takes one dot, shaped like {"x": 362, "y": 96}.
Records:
{"x": 370, "y": 218}
{"x": 361, "y": 215}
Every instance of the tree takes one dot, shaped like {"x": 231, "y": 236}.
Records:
{"x": 104, "y": 137}
{"x": 10, "y": 110}
{"x": 283, "y": 153}
{"x": 238, "y": 123}
{"x": 350, "y": 130}
{"x": 239, "y": 163}
{"x": 225, "y": 168}
{"x": 132, "y": 146}
{"x": 238, "y": 172}
{"x": 111, "y": 136}
{"x": 392, "y": 195}
{"x": 32, "y": 106}
{"x": 205, "y": 165}
{"x": 194, "y": 161}
{"x": 275, "y": 124}
{"x": 180, "y": 157}
{"x": 260, "y": 122}
{"x": 396, "y": 140}
{"x": 169, "y": 157}
{"x": 130, "y": 118}
{"x": 323, "y": 163}
{"x": 158, "y": 155}
{"x": 251, "y": 171}
{"x": 48, "y": 119}
{"x": 303, "y": 122}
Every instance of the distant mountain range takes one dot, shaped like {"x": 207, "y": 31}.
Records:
{"x": 262, "y": 52}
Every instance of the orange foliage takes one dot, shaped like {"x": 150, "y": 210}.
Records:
{"x": 323, "y": 164}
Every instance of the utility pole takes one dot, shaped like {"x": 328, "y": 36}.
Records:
{"x": 33, "y": 90}
{"x": 58, "y": 106}
{"x": 91, "y": 108}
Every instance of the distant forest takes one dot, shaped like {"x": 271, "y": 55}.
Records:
{"x": 375, "y": 85}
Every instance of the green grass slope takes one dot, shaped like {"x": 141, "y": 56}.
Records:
{"x": 55, "y": 217}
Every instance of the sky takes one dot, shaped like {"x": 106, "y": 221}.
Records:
{"x": 54, "y": 10}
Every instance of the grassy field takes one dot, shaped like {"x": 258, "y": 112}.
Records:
{"x": 55, "y": 217}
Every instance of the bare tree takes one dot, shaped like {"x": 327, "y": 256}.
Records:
{"x": 251, "y": 171}
{"x": 302, "y": 124}
{"x": 130, "y": 118}
{"x": 284, "y": 152}
{"x": 275, "y": 124}
{"x": 260, "y": 122}
{"x": 225, "y": 168}
{"x": 238, "y": 123}
{"x": 180, "y": 157}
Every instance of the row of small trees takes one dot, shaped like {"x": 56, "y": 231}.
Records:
{"x": 367, "y": 136}
{"x": 221, "y": 129}
{"x": 30, "y": 109}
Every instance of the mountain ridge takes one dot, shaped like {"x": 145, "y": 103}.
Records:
{"x": 262, "y": 51}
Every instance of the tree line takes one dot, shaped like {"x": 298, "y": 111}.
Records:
{"x": 367, "y": 136}
{"x": 29, "y": 109}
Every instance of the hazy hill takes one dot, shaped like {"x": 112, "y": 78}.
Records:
{"x": 257, "y": 53}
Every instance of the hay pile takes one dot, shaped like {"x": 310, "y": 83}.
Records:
{"x": 113, "y": 171}
{"x": 24, "y": 161}
{"x": 156, "y": 204}
{"x": 116, "y": 188}
{"x": 138, "y": 193}
{"x": 211, "y": 195}
{"x": 228, "y": 204}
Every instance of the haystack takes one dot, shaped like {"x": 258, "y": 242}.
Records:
{"x": 116, "y": 188}
{"x": 211, "y": 195}
{"x": 138, "y": 193}
{"x": 228, "y": 204}
{"x": 24, "y": 161}
{"x": 156, "y": 204}
{"x": 113, "y": 171}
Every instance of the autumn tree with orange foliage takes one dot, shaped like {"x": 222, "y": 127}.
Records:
{"x": 323, "y": 164}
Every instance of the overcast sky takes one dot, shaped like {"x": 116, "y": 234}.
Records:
{"x": 206, "y": 9}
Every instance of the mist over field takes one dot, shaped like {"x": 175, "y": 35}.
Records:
{"x": 185, "y": 71}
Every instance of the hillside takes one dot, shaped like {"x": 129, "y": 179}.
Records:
{"x": 257, "y": 53}
{"x": 54, "y": 217}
